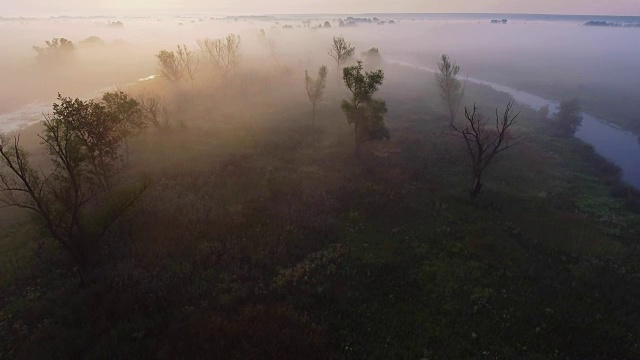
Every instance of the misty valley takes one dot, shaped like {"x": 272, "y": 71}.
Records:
{"x": 375, "y": 186}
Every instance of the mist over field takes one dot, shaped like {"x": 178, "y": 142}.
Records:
{"x": 181, "y": 184}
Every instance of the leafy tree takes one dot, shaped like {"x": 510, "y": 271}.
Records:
{"x": 362, "y": 110}
{"x": 341, "y": 52}
{"x": 372, "y": 57}
{"x": 57, "y": 51}
{"x": 170, "y": 66}
{"x": 127, "y": 115}
{"x": 92, "y": 41}
{"x": 94, "y": 130}
{"x": 315, "y": 89}
{"x": 223, "y": 54}
{"x": 189, "y": 61}
{"x": 451, "y": 89}
{"x": 483, "y": 143}
{"x": 568, "y": 117}
{"x": 81, "y": 151}
{"x": 543, "y": 113}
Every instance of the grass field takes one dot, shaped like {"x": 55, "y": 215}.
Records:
{"x": 263, "y": 237}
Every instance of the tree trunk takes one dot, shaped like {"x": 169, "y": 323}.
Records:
{"x": 126, "y": 150}
{"x": 313, "y": 114}
{"x": 477, "y": 186}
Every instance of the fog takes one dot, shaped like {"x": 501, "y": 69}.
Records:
{"x": 273, "y": 193}
{"x": 546, "y": 58}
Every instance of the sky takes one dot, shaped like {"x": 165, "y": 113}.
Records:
{"x": 245, "y": 7}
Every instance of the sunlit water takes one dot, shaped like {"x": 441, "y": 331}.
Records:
{"x": 35, "y": 112}
{"x": 617, "y": 145}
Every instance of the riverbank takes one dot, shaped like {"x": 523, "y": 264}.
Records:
{"x": 615, "y": 144}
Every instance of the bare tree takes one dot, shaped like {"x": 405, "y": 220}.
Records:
{"x": 451, "y": 88}
{"x": 170, "y": 66}
{"x": 223, "y": 54}
{"x": 189, "y": 61}
{"x": 315, "y": 89}
{"x": 154, "y": 112}
{"x": 483, "y": 143}
{"x": 341, "y": 51}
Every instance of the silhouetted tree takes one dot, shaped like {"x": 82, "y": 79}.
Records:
{"x": 341, "y": 52}
{"x": 189, "y": 61}
{"x": 170, "y": 66}
{"x": 483, "y": 143}
{"x": 543, "y": 113}
{"x": 154, "y": 112}
{"x": 372, "y": 57}
{"x": 57, "y": 51}
{"x": 128, "y": 116}
{"x": 223, "y": 54}
{"x": 65, "y": 198}
{"x": 451, "y": 89}
{"x": 568, "y": 117}
{"x": 315, "y": 89}
{"x": 362, "y": 110}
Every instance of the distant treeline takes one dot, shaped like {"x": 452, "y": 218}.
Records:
{"x": 611, "y": 24}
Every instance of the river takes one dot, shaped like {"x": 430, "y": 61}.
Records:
{"x": 617, "y": 145}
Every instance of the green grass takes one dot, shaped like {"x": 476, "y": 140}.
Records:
{"x": 265, "y": 238}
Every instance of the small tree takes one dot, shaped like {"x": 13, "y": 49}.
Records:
{"x": 362, "y": 110}
{"x": 568, "y": 117}
{"x": 341, "y": 52}
{"x": 222, "y": 54}
{"x": 451, "y": 89}
{"x": 154, "y": 112}
{"x": 65, "y": 199}
{"x": 372, "y": 57}
{"x": 128, "y": 116}
{"x": 315, "y": 89}
{"x": 170, "y": 66}
{"x": 189, "y": 61}
{"x": 57, "y": 51}
{"x": 483, "y": 143}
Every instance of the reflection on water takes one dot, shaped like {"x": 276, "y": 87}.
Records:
{"x": 619, "y": 146}
{"x": 33, "y": 113}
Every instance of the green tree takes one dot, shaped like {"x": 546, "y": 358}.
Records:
{"x": 57, "y": 51}
{"x": 568, "y": 117}
{"x": 341, "y": 51}
{"x": 170, "y": 66}
{"x": 362, "y": 110}
{"x": 315, "y": 89}
{"x": 484, "y": 143}
{"x": 451, "y": 88}
{"x": 372, "y": 57}
{"x": 127, "y": 114}
{"x": 81, "y": 152}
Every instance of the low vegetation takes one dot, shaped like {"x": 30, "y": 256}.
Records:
{"x": 256, "y": 236}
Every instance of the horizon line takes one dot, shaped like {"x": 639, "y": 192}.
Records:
{"x": 139, "y": 13}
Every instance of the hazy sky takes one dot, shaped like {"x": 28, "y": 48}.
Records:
{"x": 85, "y": 7}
